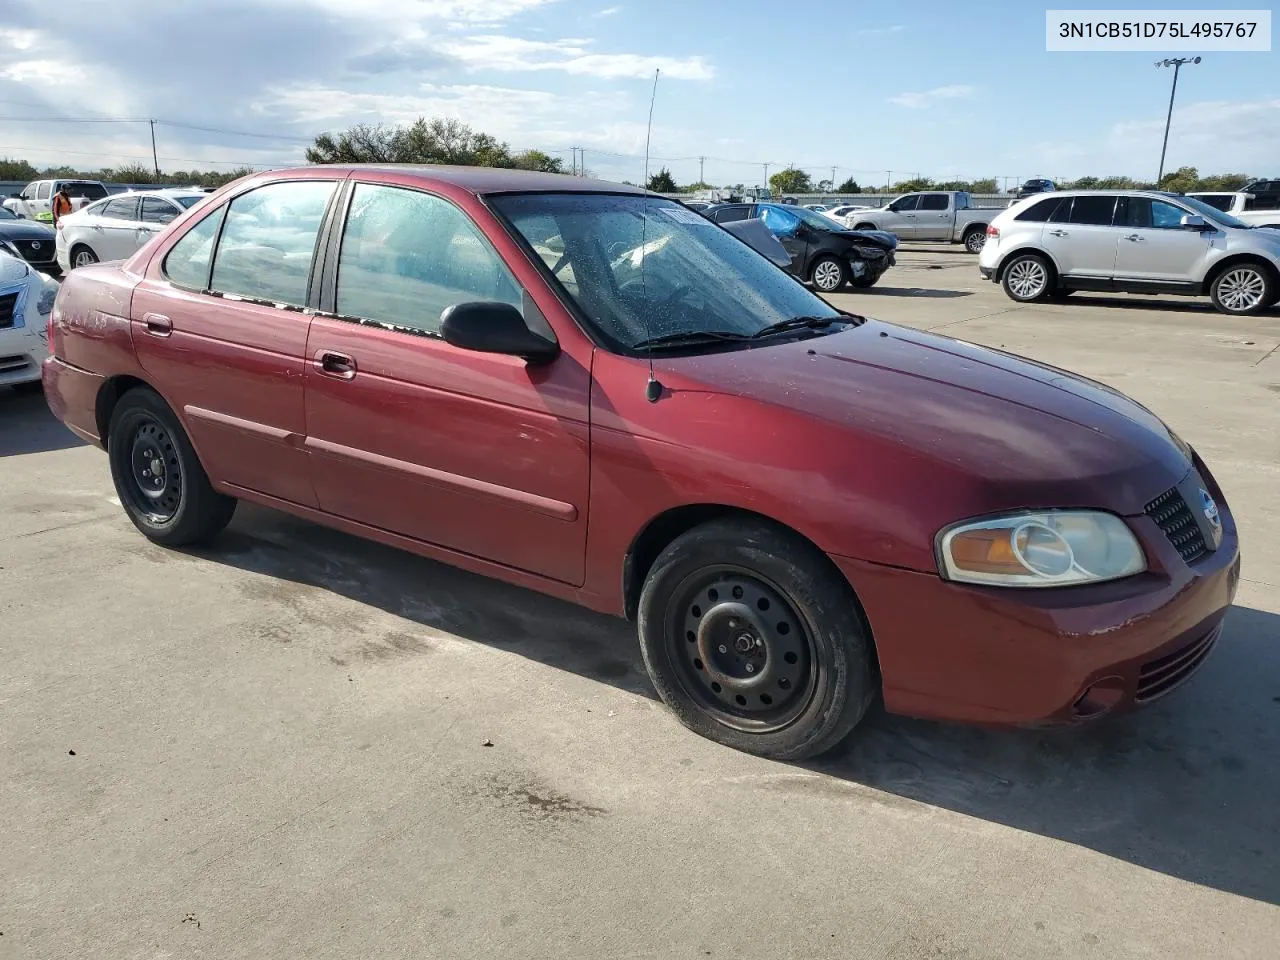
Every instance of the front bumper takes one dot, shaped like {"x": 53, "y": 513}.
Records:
{"x": 1028, "y": 657}
{"x": 988, "y": 273}
{"x": 22, "y": 351}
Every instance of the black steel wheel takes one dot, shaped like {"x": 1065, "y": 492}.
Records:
{"x": 158, "y": 478}
{"x": 755, "y": 640}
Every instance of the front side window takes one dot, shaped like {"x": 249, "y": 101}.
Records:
{"x": 122, "y": 208}
{"x": 933, "y": 201}
{"x": 1093, "y": 210}
{"x": 407, "y": 256}
{"x": 732, "y": 214}
{"x": 187, "y": 263}
{"x": 781, "y": 223}
{"x": 29, "y": 191}
{"x": 909, "y": 202}
{"x": 269, "y": 241}
{"x": 155, "y": 210}
{"x": 644, "y": 267}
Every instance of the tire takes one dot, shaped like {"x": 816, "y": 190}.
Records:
{"x": 829, "y": 274}
{"x": 865, "y": 281}
{"x": 183, "y": 508}
{"x": 82, "y": 256}
{"x": 1027, "y": 277}
{"x": 775, "y": 602}
{"x": 865, "y": 226}
{"x": 975, "y": 240}
{"x": 1243, "y": 289}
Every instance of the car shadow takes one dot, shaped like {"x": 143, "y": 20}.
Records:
{"x": 1170, "y": 304}
{"x": 1186, "y": 787}
{"x": 28, "y": 426}
{"x": 929, "y": 292}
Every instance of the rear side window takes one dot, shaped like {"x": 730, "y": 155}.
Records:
{"x": 731, "y": 214}
{"x": 269, "y": 241}
{"x": 155, "y": 210}
{"x": 187, "y": 263}
{"x": 1094, "y": 211}
{"x": 91, "y": 191}
{"x": 1042, "y": 211}
{"x": 933, "y": 201}
{"x": 122, "y": 208}
{"x": 42, "y": 192}
{"x": 407, "y": 256}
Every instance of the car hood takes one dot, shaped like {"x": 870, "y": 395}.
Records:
{"x": 989, "y": 428}
{"x": 879, "y": 238}
{"x": 25, "y": 230}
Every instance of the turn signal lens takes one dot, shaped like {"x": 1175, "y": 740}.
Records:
{"x": 1053, "y": 548}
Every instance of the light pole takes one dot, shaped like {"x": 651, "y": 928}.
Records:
{"x": 1176, "y": 63}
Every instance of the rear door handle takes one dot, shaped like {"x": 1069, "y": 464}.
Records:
{"x": 158, "y": 325}
{"x": 334, "y": 364}
{"x": 1136, "y": 238}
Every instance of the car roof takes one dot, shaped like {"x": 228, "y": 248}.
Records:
{"x": 479, "y": 180}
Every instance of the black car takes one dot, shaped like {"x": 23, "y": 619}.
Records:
{"x": 1266, "y": 194}
{"x": 822, "y": 252}
{"x": 1031, "y": 187}
{"x": 28, "y": 240}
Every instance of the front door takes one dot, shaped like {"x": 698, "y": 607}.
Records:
{"x": 901, "y": 218}
{"x": 934, "y": 217}
{"x": 476, "y": 452}
{"x": 1152, "y": 244}
{"x": 226, "y": 347}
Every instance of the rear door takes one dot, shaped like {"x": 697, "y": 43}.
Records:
{"x": 1081, "y": 238}
{"x": 934, "y": 217}
{"x": 476, "y": 452}
{"x": 154, "y": 214}
{"x": 1152, "y": 244}
{"x": 220, "y": 325}
{"x": 115, "y": 229}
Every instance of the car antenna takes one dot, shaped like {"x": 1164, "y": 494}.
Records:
{"x": 652, "y": 389}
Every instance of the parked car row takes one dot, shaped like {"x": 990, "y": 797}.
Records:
{"x": 802, "y": 509}
{"x": 35, "y": 201}
{"x": 114, "y": 228}
{"x": 935, "y": 215}
{"x": 1134, "y": 241}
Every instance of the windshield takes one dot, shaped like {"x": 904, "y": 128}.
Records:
{"x": 189, "y": 202}
{"x": 1213, "y": 214}
{"x": 6, "y": 214}
{"x": 696, "y": 277}
{"x": 811, "y": 218}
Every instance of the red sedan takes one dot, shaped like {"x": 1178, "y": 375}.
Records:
{"x": 596, "y": 393}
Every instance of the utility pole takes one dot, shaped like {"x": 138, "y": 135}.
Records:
{"x": 1176, "y": 63}
{"x": 154, "y": 159}
{"x": 833, "y": 177}
{"x": 582, "y": 161}
{"x": 573, "y": 153}
{"x": 701, "y": 161}
{"x": 888, "y": 180}
{"x": 766, "y": 176}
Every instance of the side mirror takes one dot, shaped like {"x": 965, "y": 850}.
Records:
{"x": 492, "y": 327}
{"x": 1193, "y": 221}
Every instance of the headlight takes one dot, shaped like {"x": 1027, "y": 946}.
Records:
{"x": 44, "y": 306}
{"x": 1052, "y": 548}
{"x": 1183, "y": 447}
{"x": 871, "y": 253}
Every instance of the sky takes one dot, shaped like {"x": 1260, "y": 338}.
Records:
{"x": 878, "y": 91}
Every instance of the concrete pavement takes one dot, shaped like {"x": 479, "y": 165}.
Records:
{"x": 280, "y": 741}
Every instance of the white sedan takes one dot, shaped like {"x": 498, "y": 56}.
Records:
{"x": 839, "y": 213}
{"x": 114, "y": 228}
{"x": 26, "y": 300}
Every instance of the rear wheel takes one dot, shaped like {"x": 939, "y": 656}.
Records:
{"x": 1243, "y": 289}
{"x": 829, "y": 274}
{"x": 1027, "y": 277}
{"x": 82, "y": 256}
{"x": 975, "y": 240}
{"x": 755, "y": 641}
{"x": 158, "y": 478}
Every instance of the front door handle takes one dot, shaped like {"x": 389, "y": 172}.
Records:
{"x": 334, "y": 364}
{"x": 1059, "y": 233}
{"x": 158, "y": 325}
{"x": 1136, "y": 238}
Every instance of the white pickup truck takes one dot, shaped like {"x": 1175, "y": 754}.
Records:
{"x": 35, "y": 202}
{"x": 935, "y": 215}
{"x": 1257, "y": 211}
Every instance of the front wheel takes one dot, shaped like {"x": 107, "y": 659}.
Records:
{"x": 868, "y": 279}
{"x": 755, "y": 641}
{"x": 1027, "y": 277}
{"x": 1243, "y": 289}
{"x": 158, "y": 478}
{"x": 829, "y": 274}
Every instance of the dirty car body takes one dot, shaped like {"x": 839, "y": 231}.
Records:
{"x": 596, "y": 393}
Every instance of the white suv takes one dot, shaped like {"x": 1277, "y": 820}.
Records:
{"x": 1132, "y": 241}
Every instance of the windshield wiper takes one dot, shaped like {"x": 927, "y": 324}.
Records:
{"x": 692, "y": 337}
{"x": 796, "y": 323}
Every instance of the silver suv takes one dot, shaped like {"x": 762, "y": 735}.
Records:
{"x": 1132, "y": 241}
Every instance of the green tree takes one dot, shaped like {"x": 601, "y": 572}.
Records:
{"x": 985, "y": 185}
{"x": 1219, "y": 181}
{"x": 849, "y": 186}
{"x": 1182, "y": 180}
{"x": 1084, "y": 183}
{"x": 537, "y": 160}
{"x": 696, "y": 187}
{"x": 435, "y": 140}
{"x": 790, "y": 180}
{"x": 16, "y": 170}
{"x": 663, "y": 182}
{"x": 133, "y": 173}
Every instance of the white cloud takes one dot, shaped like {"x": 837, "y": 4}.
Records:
{"x": 918, "y": 101}
{"x": 606, "y": 12}
{"x": 420, "y": 11}
{"x": 498, "y": 52}
{"x": 881, "y": 31}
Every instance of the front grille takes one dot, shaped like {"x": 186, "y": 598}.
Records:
{"x": 1175, "y": 519}
{"x": 14, "y": 363}
{"x": 7, "y": 303}
{"x": 1164, "y": 673}
{"x": 46, "y": 252}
